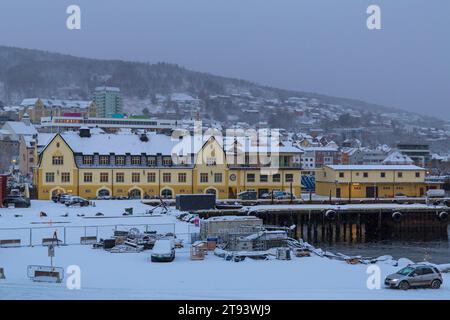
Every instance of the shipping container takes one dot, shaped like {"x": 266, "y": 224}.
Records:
{"x": 192, "y": 202}
{"x": 3, "y": 192}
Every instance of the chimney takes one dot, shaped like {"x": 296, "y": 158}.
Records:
{"x": 143, "y": 137}
{"x": 85, "y": 132}
{"x": 26, "y": 119}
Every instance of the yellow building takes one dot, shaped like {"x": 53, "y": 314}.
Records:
{"x": 29, "y": 148}
{"x": 139, "y": 165}
{"x": 37, "y": 108}
{"x": 370, "y": 181}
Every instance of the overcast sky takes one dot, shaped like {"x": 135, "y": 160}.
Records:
{"x": 322, "y": 46}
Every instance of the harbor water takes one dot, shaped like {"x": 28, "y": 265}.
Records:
{"x": 417, "y": 250}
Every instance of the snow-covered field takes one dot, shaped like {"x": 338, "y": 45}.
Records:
{"x": 107, "y": 275}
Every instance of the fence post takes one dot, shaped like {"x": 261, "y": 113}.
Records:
{"x": 85, "y": 232}
{"x": 65, "y": 243}
{"x": 31, "y": 237}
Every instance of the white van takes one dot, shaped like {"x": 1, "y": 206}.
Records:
{"x": 435, "y": 193}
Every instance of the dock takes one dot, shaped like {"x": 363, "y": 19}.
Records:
{"x": 352, "y": 222}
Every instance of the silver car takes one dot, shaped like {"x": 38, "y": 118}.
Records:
{"x": 415, "y": 275}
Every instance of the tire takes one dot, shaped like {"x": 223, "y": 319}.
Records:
{"x": 397, "y": 216}
{"x": 435, "y": 284}
{"x": 330, "y": 215}
{"x": 443, "y": 216}
{"x": 404, "y": 285}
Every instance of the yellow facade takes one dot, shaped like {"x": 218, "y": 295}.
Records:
{"x": 370, "y": 181}
{"x": 209, "y": 174}
{"x": 39, "y": 110}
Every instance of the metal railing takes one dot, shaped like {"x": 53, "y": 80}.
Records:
{"x": 72, "y": 235}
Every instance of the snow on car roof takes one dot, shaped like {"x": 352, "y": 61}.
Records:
{"x": 162, "y": 246}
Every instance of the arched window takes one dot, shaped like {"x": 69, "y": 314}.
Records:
{"x": 166, "y": 194}
{"x": 104, "y": 193}
{"x": 135, "y": 194}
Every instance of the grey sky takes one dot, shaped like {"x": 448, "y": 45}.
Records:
{"x": 311, "y": 45}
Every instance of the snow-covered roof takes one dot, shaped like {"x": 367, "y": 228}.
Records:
{"x": 326, "y": 148}
{"x": 374, "y": 167}
{"x": 19, "y": 128}
{"x": 104, "y": 88}
{"x": 120, "y": 143}
{"x": 247, "y": 144}
{"x": 270, "y": 233}
{"x": 42, "y": 139}
{"x": 12, "y": 108}
{"x": 57, "y": 103}
{"x": 438, "y": 157}
{"x": 350, "y": 151}
{"x": 397, "y": 157}
{"x": 28, "y": 140}
{"x": 29, "y": 102}
{"x": 182, "y": 97}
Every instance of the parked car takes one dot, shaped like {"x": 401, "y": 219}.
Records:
{"x": 116, "y": 198}
{"x": 105, "y": 198}
{"x": 163, "y": 251}
{"x": 400, "y": 195}
{"x": 15, "y": 192}
{"x": 55, "y": 197}
{"x": 73, "y": 201}
{"x": 19, "y": 202}
{"x": 435, "y": 193}
{"x": 248, "y": 195}
{"x": 61, "y": 197}
{"x": 279, "y": 195}
{"x": 415, "y": 275}
{"x": 188, "y": 217}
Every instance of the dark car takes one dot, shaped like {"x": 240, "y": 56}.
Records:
{"x": 77, "y": 201}
{"x": 19, "y": 202}
{"x": 277, "y": 194}
{"x": 106, "y": 198}
{"x": 61, "y": 197}
{"x": 248, "y": 195}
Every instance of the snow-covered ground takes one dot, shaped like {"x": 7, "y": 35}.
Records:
{"x": 107, "y": 275}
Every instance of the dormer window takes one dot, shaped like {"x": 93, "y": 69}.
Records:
{"x": 104, "y": 160}
{"x": 151, "y": 161}
{"x": 167, "y": 161}
{"x": 135, "y": 160}
{"x": 120, "y": 160}
{"x": 88, "y": 160}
